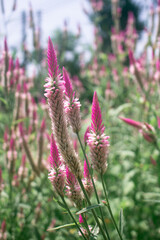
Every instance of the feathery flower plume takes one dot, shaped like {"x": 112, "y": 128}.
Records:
{"x": 71, "y": 104}
{"x": 57, "y": 174}
{"x": 54, "y": 94}
{"x": 97, "y": 140}
{"x": 73, "y": 189}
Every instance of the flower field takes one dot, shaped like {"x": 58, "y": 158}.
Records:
{"x": 80, "y": 139}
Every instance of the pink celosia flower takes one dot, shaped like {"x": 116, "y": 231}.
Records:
{"x": 81, "y": 219}
{"x": 71, "y": 104}
{"x": 54, "y": 94}
{"x": 57, "y": 174}
{"x": 97, "y": 140}
{"x": 131, "y": 122}
{"x": 73, "y": 189}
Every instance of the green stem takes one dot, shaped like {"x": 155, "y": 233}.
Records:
{"x": 71, "y": 215}
{"x": 92, "y": 210}
{"x": 109, "y": 208}
{"x": 95, "y": 190}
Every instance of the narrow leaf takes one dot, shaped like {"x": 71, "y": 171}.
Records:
{"x": 62, "y": 226}
{"x": 89, "y": 208}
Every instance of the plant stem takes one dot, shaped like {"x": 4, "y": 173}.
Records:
{"x": 71, "y": 215}
{"x": 95, "y": 190}
{"x": 109, "y": 208}
{"x": 89, "y": 202}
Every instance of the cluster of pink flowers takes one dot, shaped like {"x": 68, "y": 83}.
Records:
{"x": 66, "y": 167}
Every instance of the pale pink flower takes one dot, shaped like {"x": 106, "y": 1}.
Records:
{"x": 71, "y": 104}
{"x": 97, "y": 140}
{"x": 57, "y": 174}
{"x": 73, "y": 189}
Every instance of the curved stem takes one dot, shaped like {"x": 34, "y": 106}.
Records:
{"x": 95, "y": 190}
{"x": 71, "y": 215}
{"x": 109, "y": 208}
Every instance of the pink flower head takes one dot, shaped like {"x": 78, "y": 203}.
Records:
{"x": 52, "y": 59}
{"x": 57, "y": 178}
{"x": 12, "y": 144}
{"x": 73, "y": 189}
{"x": 5, "y": 45}
{"x": 96, "y": 125}
{"x": 86, "y": 135}
{"x": 54, "y": 157}
{"x": 131, "y": 57}
{"x": 81, "y": 219}
{"x": 21, "y": 130}
{"x": 97, "y": 140}
{"x": 71, "y": 104}
{"x": 54, "y": 80}
{"x": 23, "y": 160}
{"x": 10, "y": 68}
{"x": 86, "y": 170}
{"x": 133, "y": 123}
{"x": 67, "y": 84}
{"x": 71, "y": 180}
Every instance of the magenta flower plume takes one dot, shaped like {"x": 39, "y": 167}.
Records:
{"x": 97, "y": 140}
{"x": 81, "y": 219}
{"x": 71, "y": 104}
{"x": 67, "y": 83}
{"x": 54, "y": 157}
{"x": 86, "y": 170}
{"x": 54, "y": 94}
{"x": 73, "y": 189}
{"x": 52, "y": 59}
{"x": 131, "y": 122}
{"x": 96, "y": 117}
{"x": 131, "y": 57}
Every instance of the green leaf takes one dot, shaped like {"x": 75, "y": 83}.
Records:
{"x": 152, "y": 200}
{"x": 62, "y": 226}
{"x": 89, "y": 208}
{"x": 121, "y": 224}
{"x": 4, "y": 101}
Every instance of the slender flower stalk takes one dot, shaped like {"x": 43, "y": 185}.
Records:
{"x": 54, "y": 94}
{"x": 109, "y": 208}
